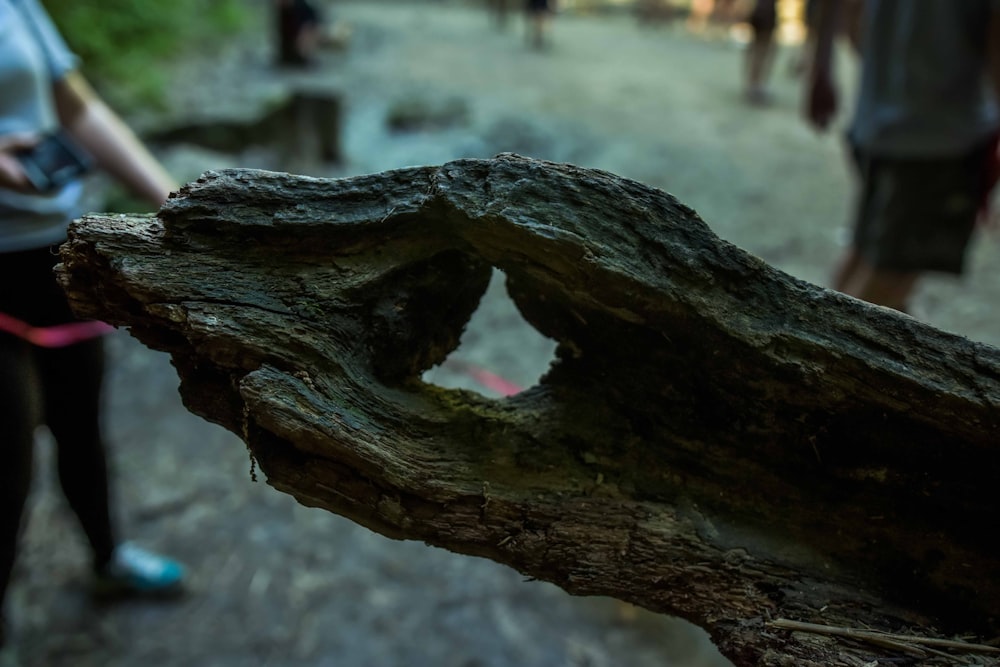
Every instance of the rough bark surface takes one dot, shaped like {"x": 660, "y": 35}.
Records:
{"x": 717, "y": 440}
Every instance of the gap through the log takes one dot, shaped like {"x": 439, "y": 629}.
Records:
{"x": 495, "y": 371}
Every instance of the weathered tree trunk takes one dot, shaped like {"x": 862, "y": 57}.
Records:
{"x": 717, "y": 439}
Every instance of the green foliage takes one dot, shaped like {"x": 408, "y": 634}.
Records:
{"x": 123, "y": 43}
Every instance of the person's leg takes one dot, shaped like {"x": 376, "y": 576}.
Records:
{"x": 285, "y": 33}
{"x": 801, "y": 64}
{"x": 298, "y": 32}
{"x": 760, "y": 55}
{"x": 541, "y": 28}
{"x": 536, "y": 13}
{"x": 760, "y": 52}
{"x": 19, "y": 411}
{"x": 845, "y": 270}
{"x": 71, "y": 379}
{"x": 69, "y": 385}
{"x": 914, "y": 216}
{"x": 500, "y": 12}
{"x": 20, "y": 406}
{"x": 309, "y": 35}
{"x": 891, "y": 289}
{"x": 856, "y": 277}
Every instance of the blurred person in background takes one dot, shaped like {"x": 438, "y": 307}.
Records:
{"x": 538, "y": 13}
{"x": 298, "y": 32}
{"x": 500, "y": 10}
{"x": 763, "y": 22}
{"x": 923, "y": 136}
{"x": 848, "y": 26}
{"x": 810, "y": 11}
{"x": 51, "y": 372}
{"x": 713, "y": 16}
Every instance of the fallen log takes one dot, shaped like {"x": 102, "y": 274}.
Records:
{"x": 716, "y": 440}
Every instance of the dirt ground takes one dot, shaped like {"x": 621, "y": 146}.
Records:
{"x": 274, "y": 583}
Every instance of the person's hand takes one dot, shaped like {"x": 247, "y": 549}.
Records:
{"x": 12, "y": 176}
{"x": 821, "y": 100}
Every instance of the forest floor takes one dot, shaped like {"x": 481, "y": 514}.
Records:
{"x": 275, "y": 583}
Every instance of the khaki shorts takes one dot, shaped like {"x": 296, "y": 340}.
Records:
{"x": 919, "y": 214}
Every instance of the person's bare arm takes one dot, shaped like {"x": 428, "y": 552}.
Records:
{"x": 110, "y": 141}
{"x": 821, "y": 92}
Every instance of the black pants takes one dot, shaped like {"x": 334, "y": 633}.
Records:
{"x": 59, "y": 388}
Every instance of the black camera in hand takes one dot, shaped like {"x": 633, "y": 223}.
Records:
{"x": 53, "y": 162}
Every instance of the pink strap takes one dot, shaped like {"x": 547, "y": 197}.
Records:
{"x": 486, "y": 378}
{"x": 60, "y": 335}
{"x": 493, "y": 382}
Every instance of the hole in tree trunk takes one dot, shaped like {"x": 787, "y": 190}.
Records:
{"x": 499, "y": 354}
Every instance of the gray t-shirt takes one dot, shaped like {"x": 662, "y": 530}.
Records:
{"x": 32, "y": 56}
{"x": 924, "y": 87}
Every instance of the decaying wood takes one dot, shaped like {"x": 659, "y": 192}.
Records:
{"x": 717, "y": 440}
{"x": 915, "y": 644}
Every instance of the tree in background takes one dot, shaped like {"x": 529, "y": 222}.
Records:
{"x": 123, "y": 43}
